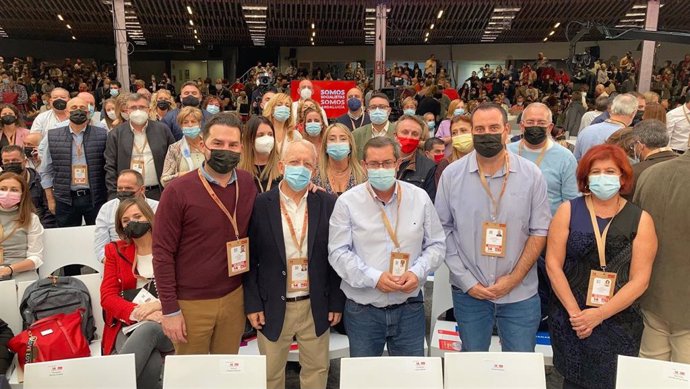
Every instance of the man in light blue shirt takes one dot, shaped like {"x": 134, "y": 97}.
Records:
{"x": 385, "y": 238}
{"x": 622, "y": 112}
{"x": 130, "y": 183}
{"x": 494, "y": 208}
{"x": 557, "y": 164}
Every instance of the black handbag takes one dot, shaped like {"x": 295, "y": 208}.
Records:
{"x": 130, "y": 294}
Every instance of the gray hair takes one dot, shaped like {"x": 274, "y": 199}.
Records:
{"x": 549, "y": 114}
{"x": 624, "y": 104}
{"x": 300, "y": 142}
{"x": 651, "y": 133}
{"x": 601, "y": 103}
{"x": 135, "y": 97}
{"x": 380, "y": 142}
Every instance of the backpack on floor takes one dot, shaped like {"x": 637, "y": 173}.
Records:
{"x": 52, "y": 295}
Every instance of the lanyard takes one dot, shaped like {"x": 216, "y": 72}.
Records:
{"x": 391, "y": 232}
{"x": 79, "y": 147}
{"x": 361, "y": 121}
{"x": 140, "y": 151}
{"x": 496, "y": 203}
{"x": 599, "y": 236}
{"x": 291, "y": 226}
{"x": 537, "y": 162}
{"x": 233, "y": 217}
{"x": 5, "y": 237}
{"x": 616, "y": 122}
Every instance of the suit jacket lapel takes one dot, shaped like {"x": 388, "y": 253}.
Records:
{"x": 127, "y": 143}
{"x": 314, "y": 209}
{"x": 276, "y": 222}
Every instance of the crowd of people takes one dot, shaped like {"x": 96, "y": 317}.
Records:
{"x": 216, "y": 212}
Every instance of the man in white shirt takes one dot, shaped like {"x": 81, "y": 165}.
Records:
{"x": 57, "y": 115}
{"x": 678, "y": 125}
{"x": 130, "y": 183}
{"x": 385, "y": 238}
{"x": 306, "y": 91}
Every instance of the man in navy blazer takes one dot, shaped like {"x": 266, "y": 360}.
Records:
{"x": 291, "y": 291}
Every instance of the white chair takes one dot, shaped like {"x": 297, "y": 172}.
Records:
{"x": 494, "y": 370}
{"x": 391, "y": 373}
{"x": 111, "y": 372}
{"x": 215, "y": 372}
{"x": 442, "y": 297}
{"x": 9, "y": 311}
{"x": 68, "y": 246}
{"x": 651, "y": 374}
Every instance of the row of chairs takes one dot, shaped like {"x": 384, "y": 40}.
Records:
{"x": 460, "y": 371}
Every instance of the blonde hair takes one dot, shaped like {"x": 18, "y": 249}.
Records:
{"x": 247, "y": 160}
{"x": 302, "y": 113}
{"x": 154, "y": 102}
{"x": 324, "y": 159}
{"x": 120, "y": 105}
{"x": 409, "y": 100}
{"x": 279, "y": 99}
{"x": 451, "y": 108}
{"x": 189, "y": 111}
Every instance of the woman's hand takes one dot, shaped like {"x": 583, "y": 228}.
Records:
{"x": 142, "y": 311}
{"x": 584, "y": 322}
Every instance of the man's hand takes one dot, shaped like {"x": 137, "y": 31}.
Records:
{"x": 51, "y": 205}
{"x": 257, "y": 320}
{"x": 408, "y": 282}
{"x": 156, "y": 316}
{"x": 388, "y": 283}
{"x": 334, "y": 317}
{"x": 175, "y": 328}
{"x": 481, "y": 293}
{"x": 503, "y": 286}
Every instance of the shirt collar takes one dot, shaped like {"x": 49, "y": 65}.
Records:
{"x": 473, "y": 167}
{"x": 287, "y": 198}
{"x": 143, "y": 129}
{"x": 81, "y": 133}
{"x": 377, "y": 198}
{"x": 212, "y": 180}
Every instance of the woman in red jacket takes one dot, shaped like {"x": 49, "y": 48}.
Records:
{"x": 128, "y": 295}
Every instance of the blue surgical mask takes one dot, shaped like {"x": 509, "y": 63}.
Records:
{"x": 459, "y": 112}
{"x": 92, "y": 109}
{"x": 212, "y": 109}
{"x": 281, "y": 113}
{"x": 409, "y": 111}
{"x": 338, "y": 151}
{"x": 191, "y": 132}
{"x": 114, "y": 92}
{"x": 431, "y": 125}
{"x": 313, "y": 128}
{"x": 378, "y": 116}
{"x": 381, "y": 179}
{"x": 297, "y": 177}
{"x": 604, "y": 186}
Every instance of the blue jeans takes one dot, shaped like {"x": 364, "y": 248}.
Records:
{"x": 517, "y": 322}
{"x": 369, "y": 329}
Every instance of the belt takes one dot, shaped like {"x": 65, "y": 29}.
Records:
{"x": 296, "y": 299}
{"x": 81, "y": 192}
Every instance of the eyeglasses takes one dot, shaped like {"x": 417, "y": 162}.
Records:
{"x": 390, "y": 164}
{"x": 300, "y": 163}
{"x": 540, "y": 123}
{"x": 373, "y": 107}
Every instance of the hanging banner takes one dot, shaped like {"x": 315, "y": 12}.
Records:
{"x": 331, "y": 95}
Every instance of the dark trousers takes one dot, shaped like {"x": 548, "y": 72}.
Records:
{"x": 71, "y": 216}
{"x": 153, "y": 192}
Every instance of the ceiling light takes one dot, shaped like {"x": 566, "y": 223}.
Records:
{"x": 189, "y": 9}
{"x": 633, "y": 14}
{"x": 556, "y": 25}
{"x": 431, "y": 27}
{"x": 440, "y": 13}
{"x": 257, "y": 16}
{"x": 313, "y": 33}
{"x": 426, "y": 35}
{"x": 506, "y": 9}
{"x": 254, "y": 7}
{"x": 256, "y": 22}
{"x": 74, "y": 37}
{"x": 426, "y": 39}
{"x": 640, "y": 6}
{"x": 551, "y": 33}
{"x": 198, "y": 41}
{"x": 60, "y": 17}
{"x": 546, "y": 39}
{"x": 312, "y": 26}
{"x": 69, "y": 27}
{"x": 631, "y": 20}
{"x": 195, "y": 31}
{"x": 370, "y": 9}
{"x": 370, "y": 18}
{"x": 196, "y": 37}
{"x": 191, "y": 22}
{"x": 501, "y": 17}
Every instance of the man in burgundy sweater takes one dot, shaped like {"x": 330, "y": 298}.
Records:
{"x": 194, "y": 238}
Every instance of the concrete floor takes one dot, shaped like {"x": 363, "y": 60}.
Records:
{"x": 553, "y": 379}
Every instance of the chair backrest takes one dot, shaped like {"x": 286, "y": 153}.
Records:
{"x": 215, "y": 371}
{"x": 494, "y": 370}
{"x": 68, "y": 246}
{"x": 9, "y": 310}
{"x": 111, "y": 372}
{"x": 391, "y": 372}
{"x": 651, "y": 374}
{"x": 442, "y": 298}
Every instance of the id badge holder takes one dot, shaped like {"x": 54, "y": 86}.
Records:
{"x": 238, "y": 256}
{"x": 138, "y": 165}
{"x": 493, "y": 239}
{"x": 298, "y": 275}
{"x": 399, "y": 263}
{"x": 80, "y": 174}
{"x": 602, "y": 284}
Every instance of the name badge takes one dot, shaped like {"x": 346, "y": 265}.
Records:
{"x": 298, "y": 275}
{"x": 80, "y": 175}
{"x": 138, "y": 165}
{"x": 238, "y": 256}
{"x": 493, "y": 239}
{"x": 144, "y": 296}
{"x": 399, "y": 263}
{"x": 601, "y": 287}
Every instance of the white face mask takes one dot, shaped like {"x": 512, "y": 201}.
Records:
{"x": 111, "y": 115}
{"x": 305, "y": 93}
{"x": 264, "y": 144}
{"x": 138, "y": 117}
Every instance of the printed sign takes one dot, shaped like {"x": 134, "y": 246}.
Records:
{"x": 331, "y": 95}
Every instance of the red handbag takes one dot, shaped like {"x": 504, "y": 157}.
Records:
{"x": 52, "y": 338}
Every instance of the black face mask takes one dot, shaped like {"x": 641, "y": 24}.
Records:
{"x": 223, "y": 161}
{"x": 29, "y": 151}
{"x": 638, "y": 117}
{"x": 13, "y": 167}
{"x": 535, "y": 135}
{"x": 163, "y": 104}
{"x": 135, "y": 230}
{"x": 125, "y": 194}
{"x": 190, "y": 101}
{"x": 488, "y": 145}
{"x": 78, "y": 116}
{"x": 9, "y": 119}
{"x": 60, "y": 104}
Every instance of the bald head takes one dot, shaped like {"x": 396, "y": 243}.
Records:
{"x": 305, "y": 84}
{"x": 355, "y": 92}
{"x": 77, "y": 103}
{"x": 59, "y": 93}
{"x": 32, "y": 140}
{"x": 88, "y": 97}
{"x": 537, "y": 111}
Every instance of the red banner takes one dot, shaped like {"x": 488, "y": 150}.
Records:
{"x": 331, "y": 95}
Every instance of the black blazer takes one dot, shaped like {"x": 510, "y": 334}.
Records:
{"x": 118, "y": 150}
{"x": 266, "y": 282}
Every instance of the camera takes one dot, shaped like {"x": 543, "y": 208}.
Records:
{"x": 265, "y": 79}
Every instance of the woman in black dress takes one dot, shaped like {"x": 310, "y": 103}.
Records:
{"x": 586, "y": 339}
